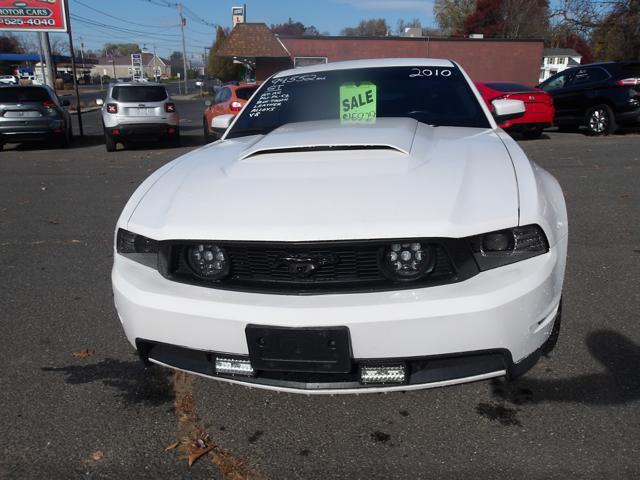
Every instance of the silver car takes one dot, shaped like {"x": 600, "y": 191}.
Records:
{"x": 133, "y": 112}
{"x": 33, "y": 114}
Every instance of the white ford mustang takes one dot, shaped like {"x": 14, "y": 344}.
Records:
{"x": 361, "y": 226}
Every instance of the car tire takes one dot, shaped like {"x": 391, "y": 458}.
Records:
{"x": 205, "y": 130}
{"x": 176, "y": 142}
{"x": 109, "y": 143}
{"x": 551, "y": 342}
{"x": 65, "y": 142}
{"x": 600, "y": 120}
{"x": 533, "y": 133}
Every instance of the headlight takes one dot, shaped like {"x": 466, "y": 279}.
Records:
{"x": 408, "y": 261}
{"x": 495, "y": 249}
{"x": 208, "y": 261}
{"x": 138, "y": 248}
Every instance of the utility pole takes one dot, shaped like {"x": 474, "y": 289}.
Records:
{"x": 184, "y": 48}
{"x": 73, "y": 66}
{"x": 155, "y": 65}
{"x": 50, "y": 77}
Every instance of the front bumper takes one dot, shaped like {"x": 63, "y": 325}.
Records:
{"x": 492, "y": 324}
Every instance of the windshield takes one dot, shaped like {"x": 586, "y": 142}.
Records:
{"x": 437, "y": 96}
{"x": 139, "y": 94}
{"x": 23, "y": 94}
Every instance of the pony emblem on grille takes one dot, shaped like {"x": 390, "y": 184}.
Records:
{"x": 302, "y": 265}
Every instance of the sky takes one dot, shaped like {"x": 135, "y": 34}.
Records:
{"x": 149, "y": 23}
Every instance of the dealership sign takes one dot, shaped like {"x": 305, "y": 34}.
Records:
{"x": 33, "y": 15}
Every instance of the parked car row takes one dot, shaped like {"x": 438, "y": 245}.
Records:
{"x": 33, "y": 113}
{"x": 600, "y": 96}
{"x": 133, "y": 112}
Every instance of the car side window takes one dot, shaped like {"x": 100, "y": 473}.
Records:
{"x": 589, "y": 75}
{"x": 226, "y": 94}
{"x": 555, "y": 83}
{"x": 218, "y": 98}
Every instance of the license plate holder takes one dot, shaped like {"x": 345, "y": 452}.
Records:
{"x": 285, "y": 349}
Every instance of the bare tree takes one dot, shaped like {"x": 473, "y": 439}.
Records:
{"x": 451, "y": 14}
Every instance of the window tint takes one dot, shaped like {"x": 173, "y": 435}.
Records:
{"x": 434, "y": 95}
{"x": 631, "y": 70}
{"x": 149, "y": 93}
{"x": 589, "y": 75}
{"x": 223, "y": 95}
{"x": 245, "y": 93}
{"x": 23, "y": 94}
{"x": 508, "y": 87}
{"x": 555, "y": 83}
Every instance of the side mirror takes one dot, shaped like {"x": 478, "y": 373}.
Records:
{"x": 222, "y": 122}
{"x": 65, "y": 102}
{"x": 207, "y": 103}
{"x": 99, "y": 102}
{"x": 504, "y": 109}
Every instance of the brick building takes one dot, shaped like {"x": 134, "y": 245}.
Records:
{"x": 484, "y": 59}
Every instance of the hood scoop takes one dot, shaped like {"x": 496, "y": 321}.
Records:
{"x": 395, "y": 134}
{"x": 322, "y": 148}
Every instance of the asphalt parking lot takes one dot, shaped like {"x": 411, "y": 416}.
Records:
{"x": 101, "y": 414}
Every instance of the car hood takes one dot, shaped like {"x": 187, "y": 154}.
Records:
{"x": 323, "y": 181}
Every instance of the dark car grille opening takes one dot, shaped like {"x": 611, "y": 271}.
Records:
{"x": 344, "y": 266}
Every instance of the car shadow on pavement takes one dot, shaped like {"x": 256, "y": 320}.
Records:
{"x": 136, "y": 384}
{"x": 619, "y": 383}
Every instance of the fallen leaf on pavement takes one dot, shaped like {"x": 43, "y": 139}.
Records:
{"x": 97, "y": 455}
{"x": 197, "y": 453}
{"x": 172, "y": 446}
{"x": 83, "y": 353}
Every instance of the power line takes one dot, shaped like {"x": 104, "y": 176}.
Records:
{"x": 88, "y": 21}
{"x": 122, "y": 20}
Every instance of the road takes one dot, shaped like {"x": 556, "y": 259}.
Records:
{"x": 575, "y": 415}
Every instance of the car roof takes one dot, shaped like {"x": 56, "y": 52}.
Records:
{"x": 137, "y": 84}
{"x": 369, "y": 63}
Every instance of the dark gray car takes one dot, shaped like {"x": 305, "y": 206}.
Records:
{"x": 33, "y": 114}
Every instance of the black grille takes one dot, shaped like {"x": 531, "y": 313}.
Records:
{"x": 349, "y": 267}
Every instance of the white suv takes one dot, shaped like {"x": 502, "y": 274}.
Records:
{"x": 138, "y": 112}
{"x": 361, "y": 226}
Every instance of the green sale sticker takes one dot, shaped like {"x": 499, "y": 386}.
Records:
{"x": 358, "y": 103}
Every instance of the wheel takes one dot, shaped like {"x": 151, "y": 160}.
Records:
{"x": 175, "y": 141}
{"x": 533, "y": 133}
{"x": 109, "y": 143}
{"x": 65, "y": 142}
{"x": 550, "y": 344}
{"x": 601, "y": 120}
{"x": 205, "y": 130}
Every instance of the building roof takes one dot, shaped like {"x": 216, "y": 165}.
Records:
{"x": 560, "y": 52}
{"x": 147, "y": 59}
{"x": 252, "y": 40}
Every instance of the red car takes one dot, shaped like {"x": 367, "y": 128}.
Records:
{"x": 539, "y": 106}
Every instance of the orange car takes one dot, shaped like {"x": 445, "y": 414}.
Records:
{"x": 228, "y": 100}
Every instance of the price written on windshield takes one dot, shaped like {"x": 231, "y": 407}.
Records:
{"x": 429, "y": 72}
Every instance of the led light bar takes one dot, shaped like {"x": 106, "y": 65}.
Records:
{"x": 233, "y": 366}
{"x": 382, "y": 374}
